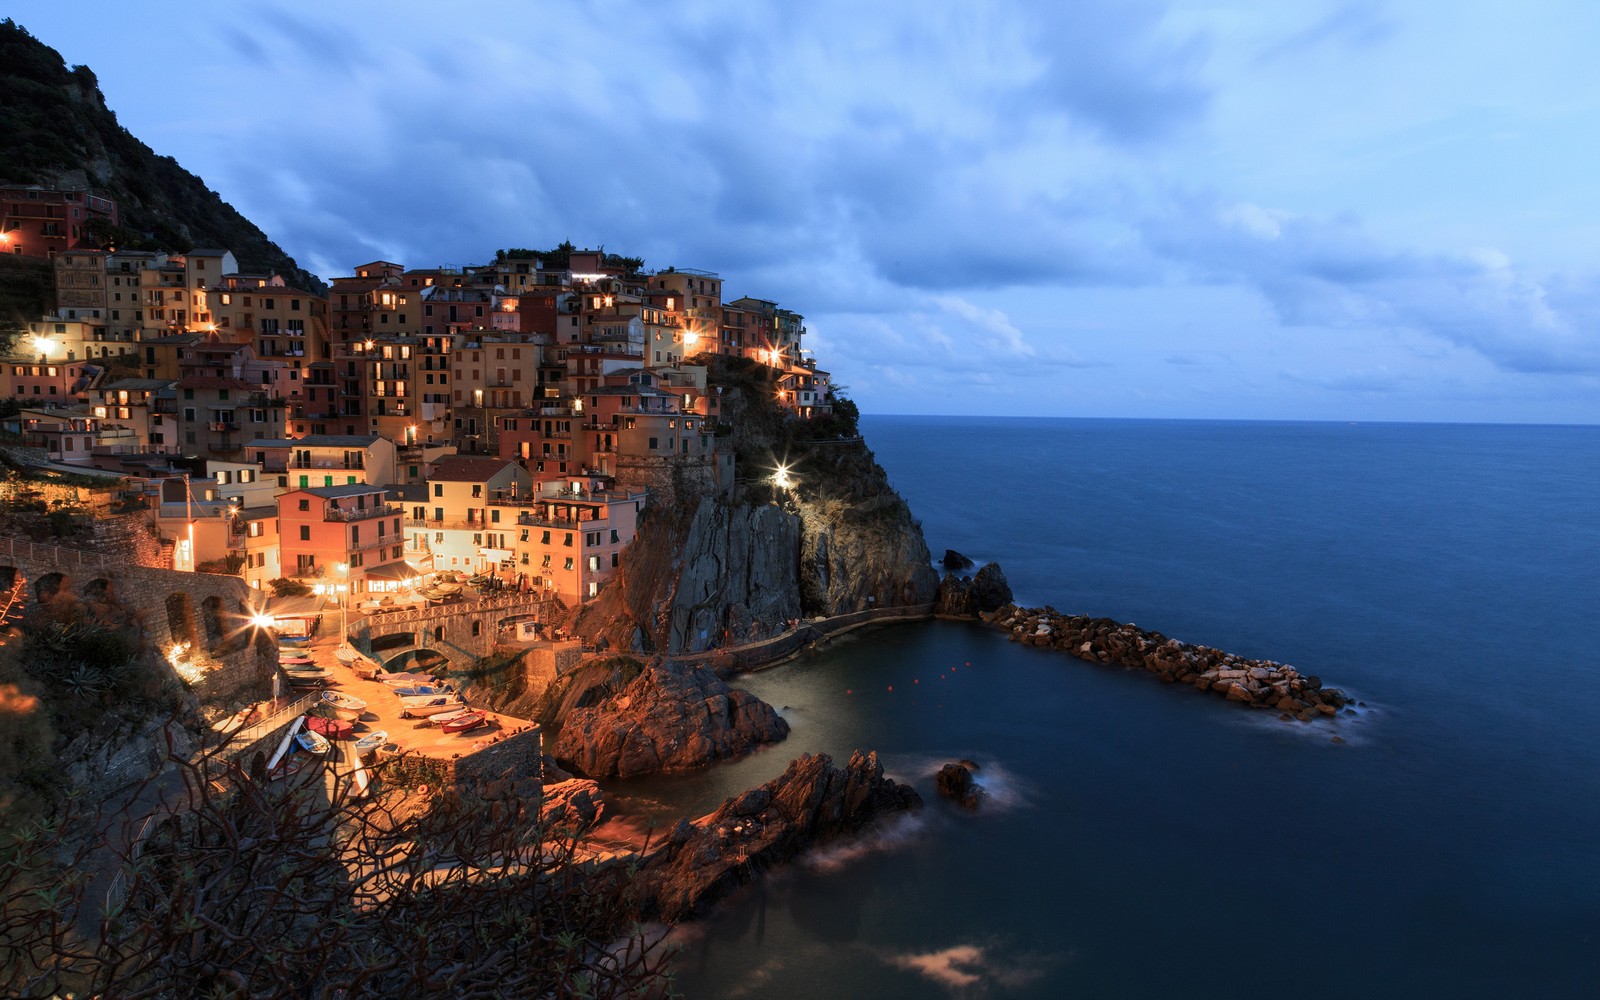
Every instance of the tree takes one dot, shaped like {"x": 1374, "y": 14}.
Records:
{"x": 285, "y": 586}
{"x": 289, "y": 889}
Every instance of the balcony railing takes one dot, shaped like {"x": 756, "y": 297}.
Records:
{"x": 324, "y": 463}
{"x": 360, "y": 513}
{"x": 373, "y": 543}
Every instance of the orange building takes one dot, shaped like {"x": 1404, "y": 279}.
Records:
{"x": 342, "y": 534}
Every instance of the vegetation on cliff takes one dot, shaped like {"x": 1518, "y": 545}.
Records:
{"x": 58, "y": 129}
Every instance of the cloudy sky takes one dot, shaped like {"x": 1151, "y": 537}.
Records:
{"x": 1307, "y": 209}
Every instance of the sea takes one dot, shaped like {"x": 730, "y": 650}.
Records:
{"x": 1143, "y": 840}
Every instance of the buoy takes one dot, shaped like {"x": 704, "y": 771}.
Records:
{"x": 422, "y": 789}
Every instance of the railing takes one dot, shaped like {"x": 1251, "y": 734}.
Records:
{"x": 373, "y": 543}
{"x": 325, "y": 463}
{"x": 361, "y": 514}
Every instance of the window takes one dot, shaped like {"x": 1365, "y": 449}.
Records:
{"x": 477, "y": 490}
{"x": 305, "y": 504}
{"x": 438, "y": 489}
{"x": 567, "y": 541}
{"x": 305, "y": 532}
{"x": 568, "y": 563}
{"x": 477, "y": 627}
{"x": 544, "y": 539}
{"x": 494, "y": 514}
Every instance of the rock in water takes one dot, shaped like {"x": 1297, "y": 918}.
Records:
{"x": 964, "y": 598}
{"x": 672, "y": 717}
{"x": 954, "y": 781}
{"x": 812, "y": 802}
{"x": 573, "y": 802}
{"x": 955, "y": 560}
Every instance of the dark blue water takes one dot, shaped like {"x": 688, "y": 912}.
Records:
{"x": 1148, "y": 841}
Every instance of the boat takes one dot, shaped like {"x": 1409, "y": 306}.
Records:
{"x": 313, "y": 743}
{"x": 345, "y": 706}
{"x": 284, "y": 744}
{"x": 421, "y": 690}
{"x": 365, "y": 666}
{"x": 464, "y": 721}
{"x": 441, "y": 719}
{"x": 285, "y": 659}
{"x": 307, "y": 676}
{"x": 427, "y": 705}
{"x": 371, "y": 742}
{"x": 333, "y": 729}
{"x": 403, "y": 678}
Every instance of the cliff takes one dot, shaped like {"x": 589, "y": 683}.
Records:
{"x": 57, "y": 129}
{"x": 709, "y": 570}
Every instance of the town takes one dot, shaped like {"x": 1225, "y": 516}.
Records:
{"x": 409, "y": 431}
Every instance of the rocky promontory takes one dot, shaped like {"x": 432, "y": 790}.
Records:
{"x": 812, "y": 802}
{"x": 968, "y": 597}
{"x": 672, "y": 717}
{"x": 1258, "y": 683}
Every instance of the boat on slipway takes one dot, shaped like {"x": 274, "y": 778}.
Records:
{"x": 345, "y": 706}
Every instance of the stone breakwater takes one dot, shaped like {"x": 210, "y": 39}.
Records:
{"x": 1257, "y": 683}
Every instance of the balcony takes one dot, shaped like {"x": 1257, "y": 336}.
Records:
{"x": 361, "y": 513}
{"x": 222, "y": 427}
{"x": 325, "y": 463}
{"x": 381, "y": 541}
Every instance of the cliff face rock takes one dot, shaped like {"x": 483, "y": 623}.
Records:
{"x": 812, "y": 802}
{"x": 672, "y": 717}
{"x": 960, "y": 596}
{"x": 739, "y": 571}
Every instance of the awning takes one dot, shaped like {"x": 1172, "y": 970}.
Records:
{"x": 309, "y": 606}
{"x": 393, "y": 571}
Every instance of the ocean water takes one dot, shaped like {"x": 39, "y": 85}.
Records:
{"x": 1143, "y": 840}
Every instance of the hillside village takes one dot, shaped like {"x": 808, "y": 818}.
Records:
{"x": 409, "y": 431}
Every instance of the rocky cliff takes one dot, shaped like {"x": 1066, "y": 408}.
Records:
{"x": 672, "y": 717}
{"x": 709, "y": 570}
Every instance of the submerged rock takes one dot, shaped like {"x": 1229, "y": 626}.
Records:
{"x": 672, "y": 717}
{"x": 812, "y": 802}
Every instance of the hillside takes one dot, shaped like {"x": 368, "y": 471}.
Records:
{"x": 55, "y": 128}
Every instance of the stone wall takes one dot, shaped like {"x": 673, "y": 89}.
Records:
{"x": 463, "y": 631}
{"x": 511, "y": 763}
{"x": 727, "y": 662}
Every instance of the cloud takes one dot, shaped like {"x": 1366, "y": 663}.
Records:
{"x": 972, "y": 970}
{"x": 1347, "y": 25}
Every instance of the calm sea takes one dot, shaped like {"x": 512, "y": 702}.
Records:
{"x": 1147, "y": 841}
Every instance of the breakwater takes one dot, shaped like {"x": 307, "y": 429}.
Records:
{"x": 1257, "y": 683}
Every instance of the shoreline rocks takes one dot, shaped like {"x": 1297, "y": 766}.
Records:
{"x": 672, "y": 717}
{"x": 1257, "y": 683}
{"x": 812, "y": 802}
{"x": 954, "y": 781}
{"x": 969, "y": 597}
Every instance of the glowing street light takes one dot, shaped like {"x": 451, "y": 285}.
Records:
{"x": 781, "y": 478}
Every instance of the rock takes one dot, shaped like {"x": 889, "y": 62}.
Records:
{"x": 812, "y": 802}
{"x": 955, "y": 560}
{"x": 986, "y": 592}
{"x": 576, "y": 801}
{"x": 955, "y": 782}
{"x": 678, "y": 717}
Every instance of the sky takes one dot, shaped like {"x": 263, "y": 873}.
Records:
{"x": 1308, "y": 209}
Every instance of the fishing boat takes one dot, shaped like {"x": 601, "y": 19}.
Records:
{"x": 463, "y": 721}
{"x": 403, "y": 678}
{"x": 295, "y": 659}
{"x": 427, "y": 705}
{"x": 444, "y": 717}
{"x": 313, "y": 743}
{"x": 308, "y": 677}
{"x": 345, "y": 706}
{"x": 421, "y": 690}
{"x": 333, "y": 729}
{"x": 371, "y": 742}
{"x": 365, "y": 666}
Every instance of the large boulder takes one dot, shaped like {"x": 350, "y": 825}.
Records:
{"x": 961, "y": 597}
{"x": 672, "y": 717}
{"x": 954, "y": 781}
{"x": 954, "y": 560}
{"x": 812, "y": 802}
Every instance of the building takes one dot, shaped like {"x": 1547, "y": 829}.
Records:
{"x": 567, "y": 538}
{"x": 325, "y": 459}
{"x": 342, "y": 535}
{"x": 458, "y": 525}
{"x": 38, "y": 221}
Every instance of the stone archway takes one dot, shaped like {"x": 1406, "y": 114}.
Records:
{"x": 98, "y": 591}
{"x": 182, "y": 623}
{"x": 213, "y": 618}
{"x": 48, "y": 586}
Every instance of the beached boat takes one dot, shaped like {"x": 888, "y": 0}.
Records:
{"x": 424, "y": 706}
{"x": 402, "y": 678}
{"x": 371, "y": 742}
{"x": 302, "y": 674}
{"x": 345, "y": 706}
{"x": 464, "y": 721}
{"x": 297, "y": 659}
{"x": 333, "y": 729}
{"x": 365, "y": 666}
{"x": 421, "y": 690}
{"x": 312, "y": 743}
{"x": 441, "y": 719}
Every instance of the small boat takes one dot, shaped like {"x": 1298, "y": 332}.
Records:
{"x": 345, "y": 706}
{"x": 333, "y": 729}
{"x": 403, "y": 678}
{"x": 284, "y": 659}
{"x": 423, "y": 707}
{"x": 313, "y": 743}
{"x": 371, "y": 742}
{"x": 293, "y": 640}
{"x": 464, "y": 721}
{"x": 365, "y": 666}
{"x": 421, "y": 690}
{"x": 445, "y": 717}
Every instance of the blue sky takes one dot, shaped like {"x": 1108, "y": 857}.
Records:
{"x": 1303, "y": 210}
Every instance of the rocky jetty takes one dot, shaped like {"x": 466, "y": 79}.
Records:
{"x": 672, "y": 717}
{"x": 812, "y": 802}
{"x": 1258, "y": 683}
{"x": 969, "y": 597}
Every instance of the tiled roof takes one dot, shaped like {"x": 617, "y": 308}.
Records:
{"x": 467, "y": 469}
